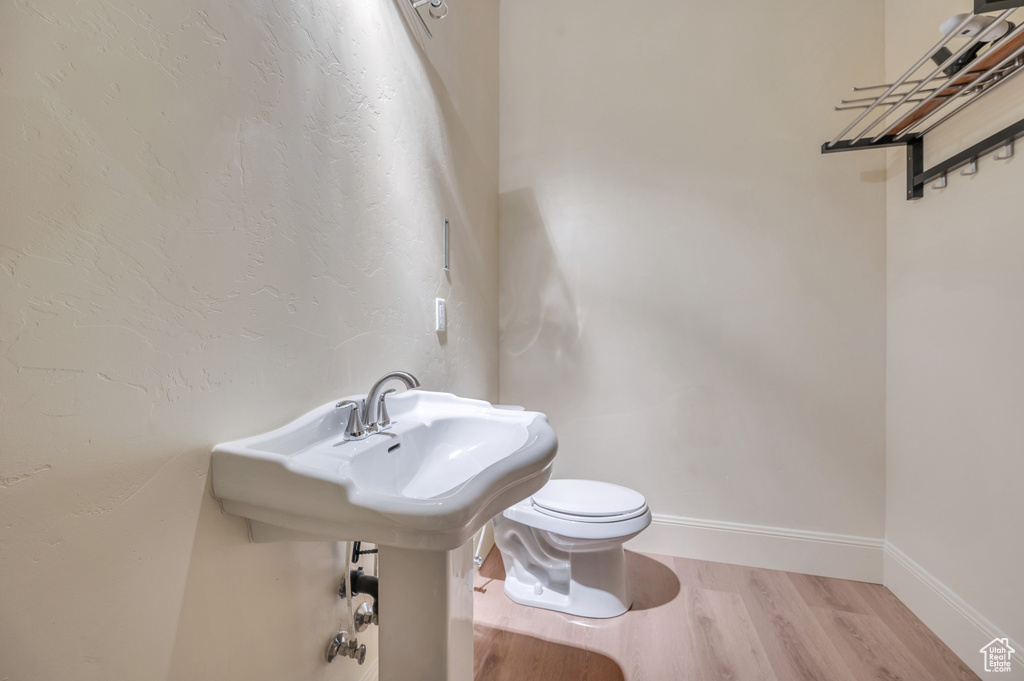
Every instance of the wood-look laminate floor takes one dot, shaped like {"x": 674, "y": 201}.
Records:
{"x": 702, "y": 621}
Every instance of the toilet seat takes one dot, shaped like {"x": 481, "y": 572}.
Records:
{"x": 588, "y": 501}
{"x": 591, "y": 519}
{"x": 583, "y": 509}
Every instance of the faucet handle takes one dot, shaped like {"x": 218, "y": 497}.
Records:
{"x": 354, "y": 430}
{"x": 383, "y": 419}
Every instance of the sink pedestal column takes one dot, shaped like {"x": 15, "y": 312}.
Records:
{"x": 426, "y": 614}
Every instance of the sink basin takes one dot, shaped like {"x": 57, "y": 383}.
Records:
{"x": 419, "y": 490}
{"x": 444, "y": 468}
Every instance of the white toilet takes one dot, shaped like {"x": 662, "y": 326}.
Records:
{"x": 562, "y": 547}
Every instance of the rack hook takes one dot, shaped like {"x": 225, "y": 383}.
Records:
{"x": 941, "y": 183}
{"x": 1007, "y": 152}
{"x": 972, "y": 168}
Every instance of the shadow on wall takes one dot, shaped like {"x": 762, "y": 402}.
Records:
{"x": 502, "y": 655}
{"x": 463, "y": 179}
{"x": 354, "y": 231}
{"x": 240, "y": 594}
{"x": 538, "y": 309}
{"x": 746, "y": 343}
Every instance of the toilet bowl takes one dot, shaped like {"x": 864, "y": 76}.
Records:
{"x": 562, "y": 547}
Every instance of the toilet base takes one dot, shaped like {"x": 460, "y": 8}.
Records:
{"x": 586, "y": 578}
{"x": 603, "y": 593}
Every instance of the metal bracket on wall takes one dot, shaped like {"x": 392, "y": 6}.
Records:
{"x": 994, "y": 5}
{"x": 357, "y": 551}
{"x": 969, "y": 157}
{"x": 918, "y": 176}
{"x": 958, "y": 78}
{"x": 915, "y": 157}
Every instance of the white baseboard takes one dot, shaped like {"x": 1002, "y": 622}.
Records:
{"x": 814, "y": 553}
{"x": 961, "y": 627}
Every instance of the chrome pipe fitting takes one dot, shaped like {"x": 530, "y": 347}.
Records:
{"x": 340, "y": 645}
{"x": 364, "y": 617}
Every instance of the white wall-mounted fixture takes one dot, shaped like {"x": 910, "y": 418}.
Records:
{"x": 437, "y": 9}
{"x": 440, "y": 315}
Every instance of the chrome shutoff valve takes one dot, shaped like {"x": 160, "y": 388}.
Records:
{"x": 364, "y": 617}
{"x": 340, "y": 645}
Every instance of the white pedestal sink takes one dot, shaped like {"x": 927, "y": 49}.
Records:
{"x": 431, "y": 592}
{"x": 418, "y": 490}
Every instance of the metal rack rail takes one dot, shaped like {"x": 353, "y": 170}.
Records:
{"x": 910, "y": 107}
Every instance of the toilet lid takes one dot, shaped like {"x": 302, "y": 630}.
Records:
{"x": 588, "y": 499}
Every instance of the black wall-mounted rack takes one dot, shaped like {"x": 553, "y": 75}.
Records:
{"x": 958, "y": 79}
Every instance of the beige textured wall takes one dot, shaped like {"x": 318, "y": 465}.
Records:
{"x": 213, "y": 217}
{"x": 689, "y": 289}
{"x": 955, "y": 394}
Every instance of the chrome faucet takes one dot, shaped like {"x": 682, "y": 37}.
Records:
{"x": 354, "y": 430}
{"x": 372, "y": 408}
